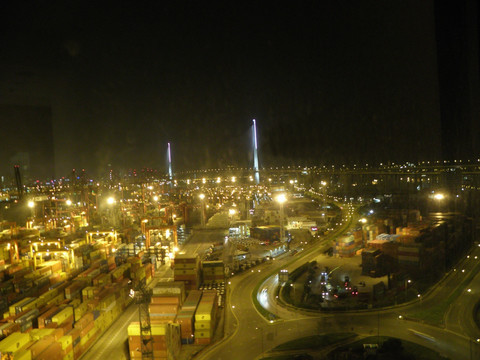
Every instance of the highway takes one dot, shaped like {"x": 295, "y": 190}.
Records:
{"x": 249, "y": 334}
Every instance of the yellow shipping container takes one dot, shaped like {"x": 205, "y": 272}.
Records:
{"x": 41, "y": 302}
{"x": 57, "y": 299}
{"x": 49, "y": 295}
{"x": 203, "y": 334}
{"x": 61, "y": 316}
{"x": 23, "y": 354}
{"x": 31, "y": 305}
{"x": 133, "y": 329}
{"x": 37, "y": 334}
{"x": 12, "y": 308}
{"x": 88, "y": 336}
{"x": 89, "y": 292}
{"x": 14, "y": 342}
{"x": 159, "y": 329}
{"x": 203, "y": 324}
{"x": 65, "y": 341}
{"x": 204, "y": 311}
{"x": 69, "y": 356}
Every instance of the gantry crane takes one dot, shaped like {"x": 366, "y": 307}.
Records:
{"x": 142, "y": 297}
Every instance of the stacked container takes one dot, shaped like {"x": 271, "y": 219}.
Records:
{"x": 345, "y": 246}
{"x": 187, "y": 269}
{"x": 213, "y": 271}
{"x": 170, "y": 288}
{"x": 166, "y": 341}
{"x": 46, "y": 344}
{"x": 186, "y": 317}
{"x": 409, "y": 255}
{"x": 205, "y": 318}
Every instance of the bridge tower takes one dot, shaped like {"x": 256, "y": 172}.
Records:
{"x": 255, "y": 153}
{"x": 169, "y": 154}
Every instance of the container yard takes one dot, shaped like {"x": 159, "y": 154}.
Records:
{"x": 69, "y": 315}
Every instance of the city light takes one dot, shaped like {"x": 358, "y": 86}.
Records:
{"x": 439, "y": 196}
{"x": 68, "y": 202}
{"x": 110, "y": 200}
{"x": 31, "y": 204}
{"x": 281, "y": 198}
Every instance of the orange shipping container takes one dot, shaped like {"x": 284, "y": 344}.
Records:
{"x": 202, "y": 341}
{"x": 173, "y": 300}
{"x": 86, "y": 329}
{"x": 163, "y": 309}
{"x": 53, "y": 352}
{"x": 39, "y": 346}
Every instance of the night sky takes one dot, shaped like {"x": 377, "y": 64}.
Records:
{"x": 328, "y": 82}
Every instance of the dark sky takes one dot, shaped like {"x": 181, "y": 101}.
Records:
{"x": 350, "y": 81}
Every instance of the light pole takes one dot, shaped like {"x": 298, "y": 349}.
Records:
{"x": 324, "y": 188}
{"x": 202, "y": 198}
{"x": 294, "y": 293}
{"x": 406, "y": 287}
{"x": 281, "y": 200}
{"x": 439, "y": 197}
{"x": 31, "y": 205}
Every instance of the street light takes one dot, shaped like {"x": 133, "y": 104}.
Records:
{"x": 68, "y": 202}
{"x": 202, "y": 198}
{"x": 31, "y": 205}
{"x": 110, "y": 200}
{"x": 439, "y": 197}
{"x": 281, "y": 198}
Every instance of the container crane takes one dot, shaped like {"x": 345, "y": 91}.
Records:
{"x": 142, "y": 297}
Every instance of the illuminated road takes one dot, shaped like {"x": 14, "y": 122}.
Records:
{"x": 249, "y": 334}
{"x": 113, "y": 343}
{"x": 201, "y": 240}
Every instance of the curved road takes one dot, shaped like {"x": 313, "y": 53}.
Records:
{"x": 249, "y": 334}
